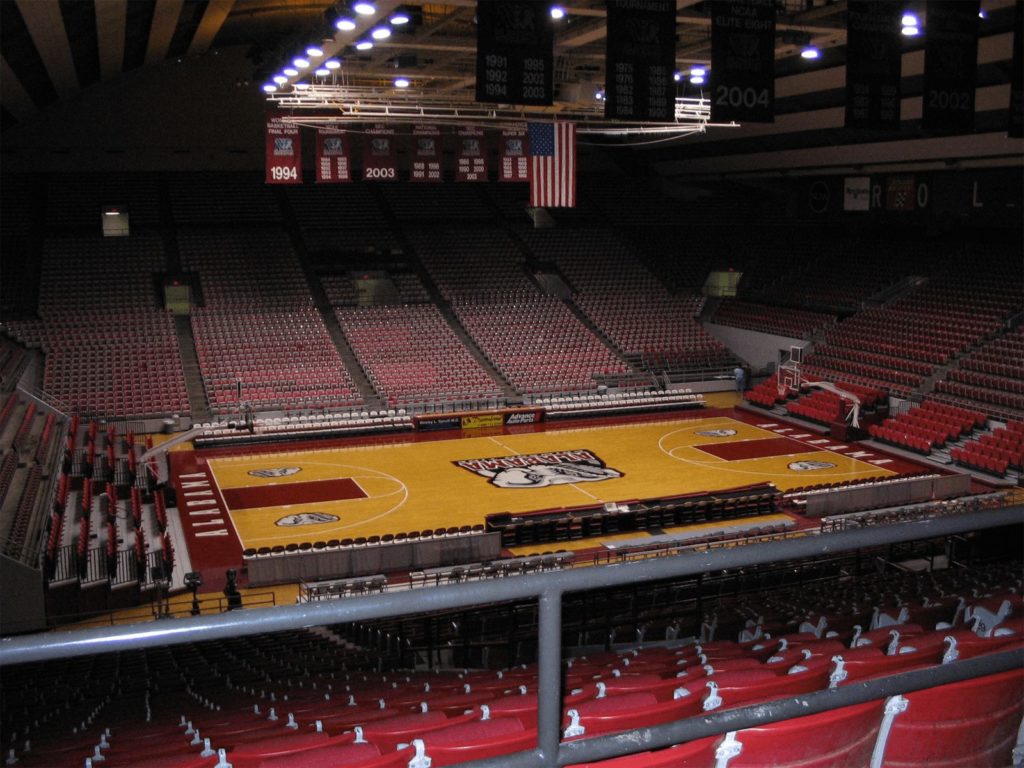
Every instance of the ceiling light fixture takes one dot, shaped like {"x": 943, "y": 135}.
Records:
{"x": 365, "y": 9}
{"x": 402, "y": 82}
{"x": 291, "y": 71}
{"x": 380, "y": 33}
{"x": 557, "y": 12}
{"x": 300, "y": 63}
{"x": 911, "y": 25}
{"x": 314, "y": 52}
{"x": 322, "y": 72}
{"x": 364, "y": 45}
{"x": 810, "y": 53}
{"x": 345, "y": 24}
{"x": 279, "y": 79}
{"x": 269, "y": 88}
{"x": 400, "y": 17}
{"x": 332, "y": 64}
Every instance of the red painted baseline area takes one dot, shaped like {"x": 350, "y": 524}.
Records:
{"x": 311, "y": 492}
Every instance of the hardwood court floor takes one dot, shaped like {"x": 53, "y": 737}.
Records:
{"x": 308, "y": 494}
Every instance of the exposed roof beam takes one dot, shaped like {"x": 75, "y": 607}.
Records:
{"x": 46, "y": 27}
{"x": 13, "y": 95}
{"x": 165, "y": 19}
{"x": 110, "y": 26}
{"x": 213, "y": 19}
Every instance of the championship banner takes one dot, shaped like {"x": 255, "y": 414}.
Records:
{"x": 514, "y": 52}
{"x": 333, "y": 164}
{"x": 950, "y": 66}
{"x": 284, "y": 152}
{"x": 426, "y": 153}
{"x": 873, "y": 65}
{"x": 380, "y": 159}
{"x": 1015, "y": 118}
{"x": 470, "y": 160}
{"x": 857, "y": 193}
{"x": 900, "y": 194}
{"x": 641, "y": 52}
{"x": 743, "y": 61}
{"x": 515, "y": 163}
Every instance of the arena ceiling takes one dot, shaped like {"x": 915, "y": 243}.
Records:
{"x": 52, "y": 49}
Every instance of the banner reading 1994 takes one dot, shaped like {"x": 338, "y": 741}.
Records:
{"x": 284, "y": 152}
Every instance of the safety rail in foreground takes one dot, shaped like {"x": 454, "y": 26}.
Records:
{"x": 549, "y": 588}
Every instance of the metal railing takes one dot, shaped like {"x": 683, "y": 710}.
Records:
{"x": 548, "y": 589}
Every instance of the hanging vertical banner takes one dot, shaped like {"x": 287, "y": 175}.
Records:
{"x": 426, "y": 153}
{"x": 552, "y": 165}
{"x": 641, "y": 54}
{"x": 380, "y": 158}
{"x": 1015, "y": 119}
{"x": 470, "y": 160}
{"x": 950, "y": 65}
{"x": 332, "y": 156}
{"x": 284, "y": 151}
{"x": 514, "y": 52}
{"x": 515, "y": 164}
{"x": 743, "y": 61}
{"x": 873, "y": 65}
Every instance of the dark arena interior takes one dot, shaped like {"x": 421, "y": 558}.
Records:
{"x": 629, "y": 383}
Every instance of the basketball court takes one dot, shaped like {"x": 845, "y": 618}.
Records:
{"x": 253, "y": 498}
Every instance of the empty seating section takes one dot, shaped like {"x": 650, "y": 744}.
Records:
{"x": 77, "y": 201}
{"x": 259, "y": 325}
{"x": 627, "y": 303}
{"x": 995, "y": 452}
{"x": 109, "y": 347}
{"x": 452, "y": 202}
{"x": 856, "y": 269}
{"x": 301, "y": 699}
{"x": 991, "y": 378}
{"x": 471, "y": 264}
{"x": 535, "y": 341}
{"x": 340, "y": 290}
{"x": 411, "y": 355}
{"x": 781, "y": 321}
{"x": 901, "y": 344}
{"x": 538, "y": 344}
{"x": 334, "y": 208}
{"x": 219, "y": 198}
{"x": 930, "y": 426}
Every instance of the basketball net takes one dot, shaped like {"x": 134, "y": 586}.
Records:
{"x": 789, "y": 378}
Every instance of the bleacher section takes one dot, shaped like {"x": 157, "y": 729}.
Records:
{"x": 411, "y": 355}
{"x": 931, "y": 425}
{"x": 535, "y": 341}
{"x": 991, "y": 378}
{"x": 109, "y": 348}
{"x": 259, "y": 326}
{"x": 781, "y": 321}
{"x": 351, "y": 695}
{"x": 608, "y": 281}
{"x": 219, "y": 198}
{"x": 538, "y": 344}
{"x": 900, "y": 345}
{"x": 996, "y": 452}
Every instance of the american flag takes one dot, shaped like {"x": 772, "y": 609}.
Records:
{"x": 552, "y": 165}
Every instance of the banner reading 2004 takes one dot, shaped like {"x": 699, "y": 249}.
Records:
{"x": 284, "y": 152}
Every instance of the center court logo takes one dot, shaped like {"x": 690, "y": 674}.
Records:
{"x": 809, "y": 466}
{"x": 540, "y": 470}
{"x": 717, "y": 433}
{"x": 307, "y": 518}
{"x": 275, "y": 472}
